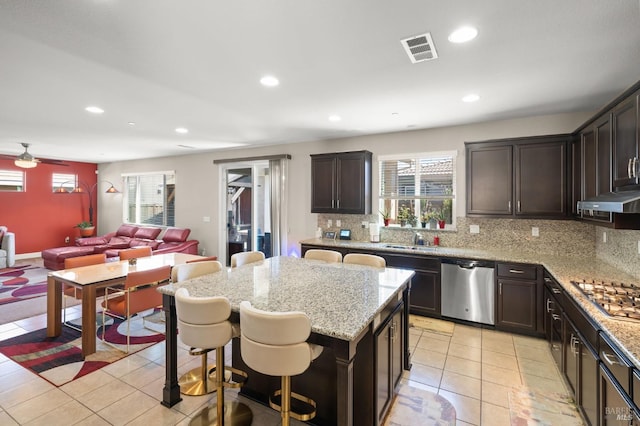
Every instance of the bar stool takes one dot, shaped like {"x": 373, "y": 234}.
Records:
{"x": 274, "y": 343}
{"x": 330, "y": 256}
{"x": 204, "y": 322}
{"x": 365, "y": 259}
{"x": 242, "y": 258}
{"x": 196, "y": 381}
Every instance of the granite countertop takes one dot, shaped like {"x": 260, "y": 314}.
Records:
{"x": 625, "y": 333}
{"x": 340, "y": 299}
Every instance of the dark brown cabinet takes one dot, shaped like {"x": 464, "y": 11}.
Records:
{"x": 625, "y": 142}
{"x": 524, "y": 177}
{"x": 388, "y": 349}
{"x": 425, "y": 284}
{"x": 517, "y": 300}
{"x": 341, "y": 183}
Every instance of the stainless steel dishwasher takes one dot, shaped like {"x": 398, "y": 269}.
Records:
{"x": 468, "y": 290}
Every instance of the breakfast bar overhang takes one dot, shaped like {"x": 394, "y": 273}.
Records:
{"x": 347, "y": 304}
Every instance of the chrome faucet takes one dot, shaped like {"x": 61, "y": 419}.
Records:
{"x": 418, "y": 240}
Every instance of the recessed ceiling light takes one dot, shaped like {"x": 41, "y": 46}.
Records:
{"x": 335, "y": 118}
{"x": 182, "y": 130}
{"x": 462, "y": 35}
{"x": 131, "y": 123}
{"x": 472, "y": 97}
{"x": 269, "y": 81}
{"x": 94, "y": 109}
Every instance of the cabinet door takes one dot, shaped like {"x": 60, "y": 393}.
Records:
{"x": 383, "y": 367}
{"x": 541, "y": 179}
{"x": 353, "y": 190}
{"x": 588, "y": 383}
{"x": 589, "y": 153}
{"x": 323, "y": 186}
{"x": 614, "y": 408}
{"x": 625, "y": 144}
{"x": 516, "y": 305}
{"x": 490, "y": 180}
{"x": 576, "y": 170}
{"x": 571, "y": 355}
{"x": 603, "y": 163}
{"x": 425, "y": 293}
{"x": 396, "y": 348}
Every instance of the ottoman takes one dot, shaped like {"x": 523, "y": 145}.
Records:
{"x": 54, "y": 257}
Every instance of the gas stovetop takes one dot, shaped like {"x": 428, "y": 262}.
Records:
{"x": 619, "y": 300}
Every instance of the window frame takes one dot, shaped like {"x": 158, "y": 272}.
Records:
{"x": 168, "y": 216}
{"x": 416, "y": 198}
{"x": 21, "y": 187}
{"x": 69, "y": 179}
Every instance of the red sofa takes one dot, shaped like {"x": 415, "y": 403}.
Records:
{"x": 174, "y": 240}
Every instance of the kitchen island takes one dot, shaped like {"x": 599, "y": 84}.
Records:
{"x": 347, "y": 305}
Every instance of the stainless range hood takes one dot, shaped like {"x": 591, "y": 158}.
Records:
{"x": 616, "y": 202}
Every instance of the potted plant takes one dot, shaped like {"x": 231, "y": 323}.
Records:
{"x": 86, "y": 228}
{"x": 386, "y": 216}
{"x": 403, "y": 215}
{"x": 441, "y": 217}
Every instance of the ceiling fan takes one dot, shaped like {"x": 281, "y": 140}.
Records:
{"x": 28, "y": 161}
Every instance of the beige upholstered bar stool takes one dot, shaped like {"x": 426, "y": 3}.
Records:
{"x": 242, "y": 258}
{"x": 330, "y": 256}
{"x": 204, "y": 322}
{"x": 365, "y": 259}
{"x": 196, "y": 381}
{"x": 274, "y": 343}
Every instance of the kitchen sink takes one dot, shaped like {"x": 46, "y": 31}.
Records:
{"x": 410, "y": 247}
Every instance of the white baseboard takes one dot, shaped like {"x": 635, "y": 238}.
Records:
{"x": 34, "y": 255}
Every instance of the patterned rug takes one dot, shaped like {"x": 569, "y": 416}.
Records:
{"x": 535, "y": 408}
{"x": 431, "y": 324}
{"x": 59, "y": 359}
{"x": 22, "y": 282}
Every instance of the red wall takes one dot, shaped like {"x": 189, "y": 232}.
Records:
{"x": 39, "y": 218}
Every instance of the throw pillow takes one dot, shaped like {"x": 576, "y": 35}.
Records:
{"x": 1, "y": 235}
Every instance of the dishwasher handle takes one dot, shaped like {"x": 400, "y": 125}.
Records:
{"x": 469, "y": 263}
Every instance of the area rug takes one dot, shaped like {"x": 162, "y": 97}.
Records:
{"x": 415, "y": 406}
{"x": 59, "y": 359}
{"x": 22, "y": 282}
{"x": 534, "y": 408}
{"x": 431, "y": 324}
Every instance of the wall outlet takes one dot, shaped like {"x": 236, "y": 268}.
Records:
{"x": 338, "y": 223}
{"x": 604, "y": 237}
{"x": 535, "y": 232}
{"x": 67, "y": 239}
{"x": 329, "y": 223}
{"x": 365, "y": 224}
{"x": 206, "y": 218}
{"x": 474, "y": 229}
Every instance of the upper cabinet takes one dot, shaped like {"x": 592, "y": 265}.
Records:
{"x": 341, "y": 182}
{"x": 625, "y": 142}
{"x": 524, "y": 177}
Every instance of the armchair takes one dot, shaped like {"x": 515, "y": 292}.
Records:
{"x": 7, "y": 247}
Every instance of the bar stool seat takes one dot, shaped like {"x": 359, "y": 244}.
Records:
{"x": 274, "y": 343}
{"x": 203, "y": 322}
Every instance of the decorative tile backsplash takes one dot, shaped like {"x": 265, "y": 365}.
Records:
{"x": 555, "y": 237}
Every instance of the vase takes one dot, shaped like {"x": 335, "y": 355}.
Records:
{"x": 441, "y": 224}
{"x": 424, "y": 224}
{"x": 386, "y": 222}
{"x": 87, "y": 232}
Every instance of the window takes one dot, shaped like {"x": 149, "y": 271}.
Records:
{"x": 150, "y": 198}
{"x": 11, "y": 181}
{"x": 63, "y": 180}
{"x": 418, "y": 188}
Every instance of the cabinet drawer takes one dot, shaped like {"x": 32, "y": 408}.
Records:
{"x": 636, "y": 387}
{"x": 615, "y": 362}
{"x": 514, "y": 270}
{"x": 584, "y": 326}
{"x": 423, "y": 263}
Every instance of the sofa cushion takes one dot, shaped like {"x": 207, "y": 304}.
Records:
{"x": 91, "y": 241}
{"x": 126, "y": 230}
{"x": 147, "y": 233}
{"x": 119, "y": 242}
{"x": 176, "y": 235}
{"x": 136, "y": 242}
{"x": 1, "y": 235}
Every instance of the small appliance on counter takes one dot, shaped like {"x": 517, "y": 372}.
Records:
{"x": 374, "y": 232}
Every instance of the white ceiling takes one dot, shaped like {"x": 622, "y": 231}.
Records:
{"x": 197, "y": 63}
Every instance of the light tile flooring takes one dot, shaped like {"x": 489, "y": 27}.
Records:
{"x": 474, "y": 369}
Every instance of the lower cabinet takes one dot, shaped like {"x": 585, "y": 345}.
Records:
{"x": 518, "y": 299}
{"x": 388, "y": 350}
{"x": 588, "y": 385}
{"x": 425, "y": 284}
{"x": 615, "y": 407}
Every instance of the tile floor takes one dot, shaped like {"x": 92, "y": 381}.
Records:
{"x": 474, "y": 369}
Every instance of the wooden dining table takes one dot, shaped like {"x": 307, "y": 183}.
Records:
{"x": 91, "y": 278}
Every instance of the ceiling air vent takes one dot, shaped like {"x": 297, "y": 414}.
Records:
{"x": 420, "y": 48}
